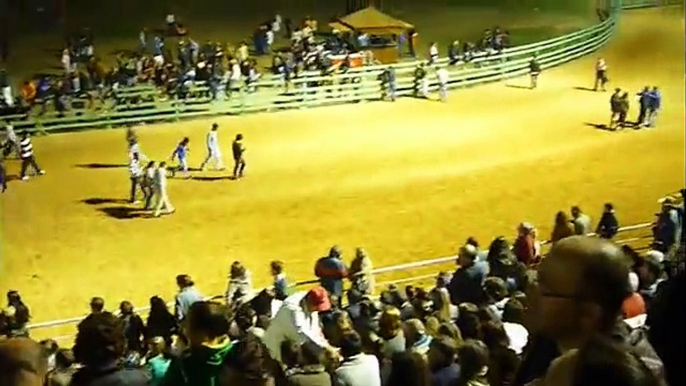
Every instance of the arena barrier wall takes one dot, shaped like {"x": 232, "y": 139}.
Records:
{"x": 638, "y": 241}
{"x": 310, "y": 89}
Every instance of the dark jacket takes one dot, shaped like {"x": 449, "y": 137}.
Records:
{"x": 466, "y": 284}
{"x": 307, "y": 376}
{"x": 110, "y": 375}
{"x": 134, "y": 330}
{"x": 447, "y": 376}
{"x": 608, "y": 225}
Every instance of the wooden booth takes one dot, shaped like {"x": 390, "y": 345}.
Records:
{"x": 375, "y": 31}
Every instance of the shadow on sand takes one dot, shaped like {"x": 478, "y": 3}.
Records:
{"x": 625, "y": 125}
{"x": 518, "y": 86}
{"x": 101, "y": 166}
{"x": 100, "y": 201}
{"x": 585, "y": 89}
{"x": 123, "y": 212}
{"x": 213, "y": 178}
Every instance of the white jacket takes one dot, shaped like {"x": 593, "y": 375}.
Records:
{"x": 293, "y": 322}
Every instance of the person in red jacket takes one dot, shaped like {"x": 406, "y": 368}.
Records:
{"x": 524, "y": 248}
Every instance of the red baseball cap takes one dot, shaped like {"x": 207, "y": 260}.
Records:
{"x": 318, "y": 297}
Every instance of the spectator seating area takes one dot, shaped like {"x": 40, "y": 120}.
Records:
{"x": 495, "y": 321}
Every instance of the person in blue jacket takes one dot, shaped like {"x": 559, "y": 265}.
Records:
{"x": 654, "y": 102}
{"x": 643, "y": 98}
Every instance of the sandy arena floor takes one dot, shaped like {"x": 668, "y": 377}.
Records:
{"x": 408, "y": 181}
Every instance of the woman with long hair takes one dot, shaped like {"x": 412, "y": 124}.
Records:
{"x": 503, "y": 360}
{"x": 239, "y": 288}
{"x": 409, "y": 369}
{"x": 563, "y": 227}
{"x": 160, "y": 321}
{"x": 473, "y": 360}
{"x": 444, "y": 310}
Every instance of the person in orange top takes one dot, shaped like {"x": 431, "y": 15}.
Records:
{"x": 28, "y": 92}
{"x": 634, "y": 305}
{"x": 524, "y": 245}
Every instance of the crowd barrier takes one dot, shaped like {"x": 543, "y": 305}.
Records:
{"x": 273, "y": 93}
{"x": 359, "y": 85}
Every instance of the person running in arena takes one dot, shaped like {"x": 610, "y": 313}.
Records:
{"x": 213, "y": 151}
{"x": 534, "y": 71}
{"x": 181, "y": 153}
{"x": 600, "y": 75}
{"x": 239, "y": 161}
{"x": 27, "y": 157}
{"x": 160, "y": 189}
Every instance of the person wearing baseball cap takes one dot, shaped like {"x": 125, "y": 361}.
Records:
{"x": 298, "y": 320}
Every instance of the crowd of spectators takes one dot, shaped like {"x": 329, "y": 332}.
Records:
{"x": 591, "y": 313}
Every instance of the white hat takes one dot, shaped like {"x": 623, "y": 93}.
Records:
{"x": 633, "y": 281}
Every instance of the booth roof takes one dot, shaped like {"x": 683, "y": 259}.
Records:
{"x": 369, "y": 19}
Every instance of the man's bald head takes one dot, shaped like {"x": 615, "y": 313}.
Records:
{"x": 22, "y": 362}
{"x": 588, "y": 270}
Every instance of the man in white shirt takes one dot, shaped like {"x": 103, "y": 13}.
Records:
{"x": 234, "y": 78}
{"x": 357, "y": 368}
{"x": 298, "y": 320}
{"x": 160, "y": 189}
{"x": 213, "y": 151}
{"x": 600, "y": 74}
{"x": 135, "y": 174}
{"x": 433, "y": 53}
{"x": 442, "y": 76}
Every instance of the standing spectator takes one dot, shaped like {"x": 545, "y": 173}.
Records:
{"x": 160, "y": 191}
{"x": 390, "y": 82}
{"x": 441, "y": 358}
{"x": 524, "y": 244}
{"x": 64, "y": 369}
{"x": 298, "y": 320}
{"x": 360, "y": 273}
{"x": 357, "y": 368}
{"x": 623, "y": 109}
{"x": 668, "y": 227}
{"x": 136, "y": 177}
{"x": 654, "y": 104}
{"x": 331, "y": 271}
{"x": 583, "y": 283}
{"x": 409, "y": 369}
{"x": 280, "y": 283}
{"x": 534, "y": 72}
{"x": 207, "y": 332}
{"x": 600, "y": 74}
{"x": 160, "y": 321}
{"x": 17, "y": 316}
{"x": 27, "y": 157}
{"x": 416, "y": 338}
{"x": 563, "y": 227}
{"x": 238, "y": 150}
{"x": 615, "y": 108}
{"x": 581, "y": 221}
{"x": 11, "y": 143}
{"x": 239, "y": 289}
{"x": 467, "y": 281}
{"x": 99, "y": 347}
{"x": 6, "y": 89}
{"x": 187, "y": 295}
{"x": 304, "y": 365}
{"x": 473, "y": 359}
{"x": 433, "y": 53}
{"x": 608, "y": 225}
{"x": 158, "y": 360}
{"x": 454, "y": 52}
{"x": 442, "y": 76}
{"x": 134, "y": 328}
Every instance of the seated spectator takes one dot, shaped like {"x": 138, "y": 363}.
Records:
{"x": 600, "y": 361}
{"x": 298, "y": 320}
{"x": 187, "y": 295}
{"x": 360, "y": 273}
{"x": 416, "y": 338}
{"x": 367, "y": 324}
{"x": 22, "y": 363}
{"x": 134, "y": 328}
{"x": 304, "y": 365}
{"x": 396, "y": 298}
{"x": 207, "y": 332}
{"x": 50, "y": 348}
{"x": 441, "y": 359}
{"x": 342, "y": 324}
{"x": 581, "y": 221}
{"x": 634, "y": 305}
{"x": 608, "y": 225}
{"x": 158, "y": 360}
{"x": 431, "y": 325}
{"x": 503, "y": 264}
{"x": 239, "y": 289}
{"x": 16, "y": 316}
{"x": 409, "y": 368}
{"x": 99, "y": 347}
{"x": 243, "y": 322}
{"x": 443, "y": 280}
{"x": 473, "y": 360}
{"x": 64, "y": 369}
{"x": 393, "y": 337}
{"x": 160, "y": 321}
{"x": 468, "y": 321}
{"x": 331, "y": 271}
{"x": 450, "y": 330}
{"x": 513, "y": 323}
{"x": 651, "y": 274}
{"x": 357, "y": 368}
{"x": 280, "y": 283}
{"x": 523, "y": 247}
{"x": 248, "y": 364}
{"x": 444, "y": 310}
{"x": 503, "y": 361}
{"x": 496, "y": 297}
{"x": 466, "y": 284}
{"x": 563, "y": 227}
{"x": 583, "y": 283}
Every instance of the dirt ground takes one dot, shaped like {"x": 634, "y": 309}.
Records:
{"x": 408, "y": 181}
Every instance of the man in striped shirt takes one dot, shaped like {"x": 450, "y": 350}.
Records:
{"x": 135, "y": 175}
{"x": 27, "y": 157}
